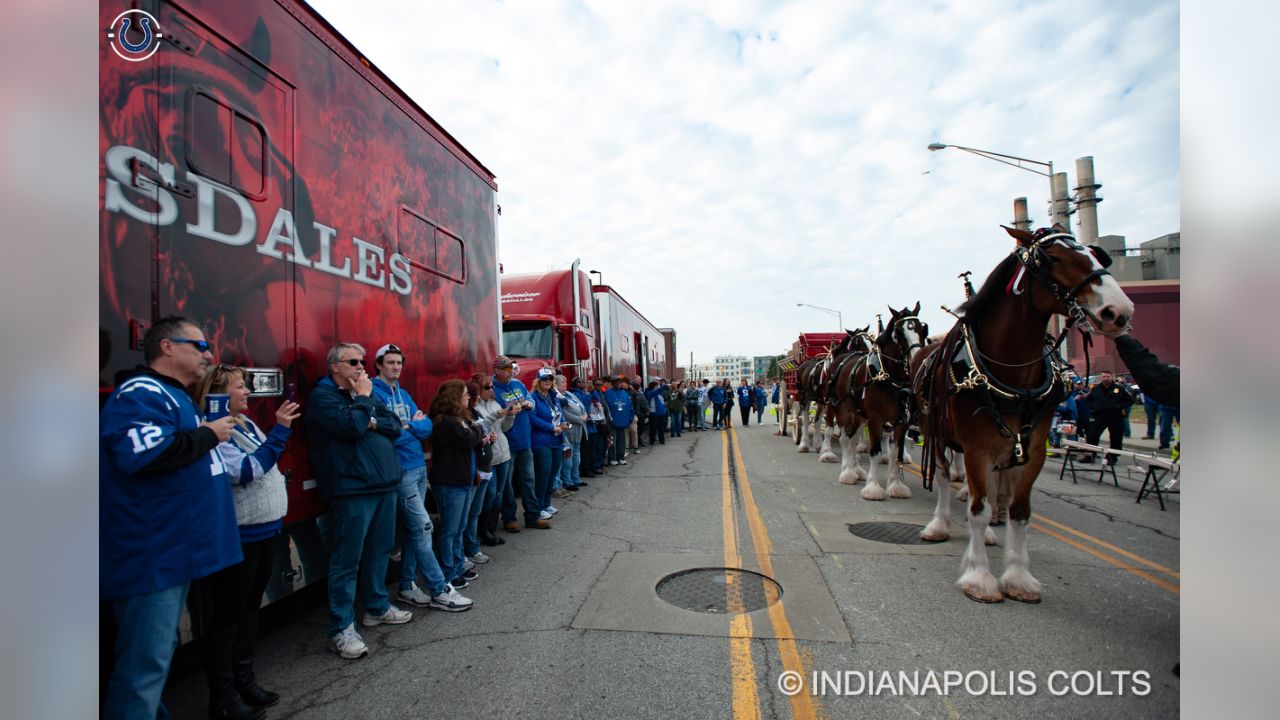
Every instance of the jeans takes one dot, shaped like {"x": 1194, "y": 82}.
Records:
{"x": 546, "y": 467}
{"x": 619, "y": 452}
{"x": 717, "y": 410}
{"x": 416, "y": 554}
{"x": 501, "y": 489}
{"x": 148, "y": 635}
{"x": 1167, "y": 414}
{"x": 677, "y": 424}
{"x": 479, "y": 499}
{"x": 521, "y": 485}
{"x": 692, "y": 411}
{"x": 364, "y": 529}
{"x": 702, "y": 417}
{"x": 658, "y": 429}
{"x": 1153, "y": 415}
{"x": 453, "y": 501}
{"x": 570, "y": 474}
{"x": 759, "y": 413}
{"x": 601, "y": 449}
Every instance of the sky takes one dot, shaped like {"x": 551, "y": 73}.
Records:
{"x": 720, "y": 161}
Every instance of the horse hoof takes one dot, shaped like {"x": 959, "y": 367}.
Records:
{"x": 873, "y": 492}
{"x": 862, "y": 448}
{"x": 828, "y": 458}
{"x": 1028, "y": 598}
{"x": 803, "y": 449}
{"x": 989, "y": 537}
{"x": 900, "y": 492}
{"x": 982, "y": 598}
{"x": 934, "y": 536}
{"x": 849, "y": 478}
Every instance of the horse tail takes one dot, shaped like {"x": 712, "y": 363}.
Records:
{"x": 937, "y": 387}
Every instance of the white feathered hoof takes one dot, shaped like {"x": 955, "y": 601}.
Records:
{"x": 989, "y": 537}
{"x": 873, "y": 492}
{"x": 828, "y": 457}
{"x": 980, "y": 585}
{"x": 907, "y": 459}
{"x": 862, "y": 447}
{"x": 963, "y": 494}
{"x": 802, "y": 447}
{"x": 883, "y": 459}
{"x": 1020, "y": 585}
{"x": 899, "y": 491}
{"x": 849, "y": 477}
{"x": 936, "y": 531}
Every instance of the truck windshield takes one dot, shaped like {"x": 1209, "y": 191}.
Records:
{"x": 527, "y": 340}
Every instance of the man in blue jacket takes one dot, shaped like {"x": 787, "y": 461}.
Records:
{"x": 417, "y": 554}
{"x": 165, "y": 510}
{"x": 509, "y": 391}
{"x": 717, "y": 397}
{"x": 621, "y": 413}
{"x": 351, "y": 438}
{"x": 758, "y": 396}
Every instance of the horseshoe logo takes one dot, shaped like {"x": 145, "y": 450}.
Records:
{"x": 127, "y": 49}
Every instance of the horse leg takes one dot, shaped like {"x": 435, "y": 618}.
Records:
{"x": 802, "y": 427}
{"x": 993, "y": 489}
{"x": 1004, "y": 488}
{"x": 884, "y": 450}
{"x": 899, "y": 439}
{"x": 815, "y": 429}
{"x": 976, "y": 580}
{"x": 862, "y": 443}
{"x": 1017, "y": 580}
{"x": 826, "y": 455}
{"x": 848, "y": 459}
{"x": 954, "y": 463}
{"x": 874, "y": 490}
{"x": 897, "y": 488}
{"x": 939, "y": 528}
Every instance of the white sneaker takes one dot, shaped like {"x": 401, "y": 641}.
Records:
{"x": 622, "y": 462}
{"x": 478, "y": 559}
{"x": 414, "y": 596}
{"x": 613, "y": 462}
{"x": 553, "y": 509}
{"x": 348, "y": 643}
{"x": 392, "y": 616}
{"x": 544, "y": 515}
{"x": 467, "y": 564}
{"x": 450, "y": 600}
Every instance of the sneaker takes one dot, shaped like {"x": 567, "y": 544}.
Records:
{"x": 458, "y": 583}
{"x": 545, "y": 515}
{"x": 467, "y": 566}
{"x": 553, "y": 509}
{"x": 571, "y": 488}
{"x": 414, "y": 596}
{"x": 613, "y": 462}
{"x": 391, "y": 616}
{"x": 560, "y": 493}
{"x": 622, "y": 462}
{"x": 636, "y": 450}
{"x": 478, "y": 559}
{"x": 348, "y": 644}
{"x": 469, "y": 575}
{"x": 450, "y": 601}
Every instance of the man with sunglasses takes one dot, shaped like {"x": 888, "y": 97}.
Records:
{"x": 417, "y": 555}
{"x": 166, "y": 515}
{"x": 351, "y": 438}
{"x": 511, "y": 393}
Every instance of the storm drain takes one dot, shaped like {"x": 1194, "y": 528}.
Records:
{"x": 719, "y": 590}
{"x": 890, "y": 532}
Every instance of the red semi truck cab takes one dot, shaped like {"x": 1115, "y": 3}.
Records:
{"x": 548, "y": 320}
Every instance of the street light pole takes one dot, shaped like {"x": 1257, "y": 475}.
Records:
{"x": 1057, "y": 186}
{"x": 829, "y": 311}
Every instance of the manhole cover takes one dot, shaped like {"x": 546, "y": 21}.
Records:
{"x": 719, "y": 590}
{"x": 890, "y": 532}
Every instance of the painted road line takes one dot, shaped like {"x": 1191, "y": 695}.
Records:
{"x": 803, "y": 705}
{"x": 746, "y": 703}
{"x": 1042, "y": 524}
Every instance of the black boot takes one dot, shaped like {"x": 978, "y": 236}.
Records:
{"x": 492, "y": 522}
{"x": 484, "y": 530}
{"x": 250, "y": 691}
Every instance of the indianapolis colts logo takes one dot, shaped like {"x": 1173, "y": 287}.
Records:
{"x": 134, "y": 35}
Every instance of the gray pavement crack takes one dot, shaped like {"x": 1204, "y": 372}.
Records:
{"x": 1072, "y": 500}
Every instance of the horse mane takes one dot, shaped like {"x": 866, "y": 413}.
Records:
{"x": 992, "y": 289}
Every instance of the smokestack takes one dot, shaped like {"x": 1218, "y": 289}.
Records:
{"x": 1087, "y": 200}
{"x": 1020, "y": 219}
{"x": 1059, "y": 204}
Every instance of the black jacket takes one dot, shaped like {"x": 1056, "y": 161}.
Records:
{"x": 1104, "y": 400}
{"x": 453, "y": 442}
{"x": 347, "y": 457}
{"x": 1158, "y": 380}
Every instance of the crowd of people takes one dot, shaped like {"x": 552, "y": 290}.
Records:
{"x": 1105, "y": 407}
{"x": 191, "y": 504}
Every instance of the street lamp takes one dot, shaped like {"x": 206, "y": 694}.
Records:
{"x": 1058, "y": 213}
{"x": 829, "y": 311}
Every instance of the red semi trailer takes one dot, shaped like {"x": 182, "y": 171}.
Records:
{"x": 558, "y": 319}
{"x": 260, "y": 176}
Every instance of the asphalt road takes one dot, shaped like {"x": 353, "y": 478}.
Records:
{"x": 567, "y": 623}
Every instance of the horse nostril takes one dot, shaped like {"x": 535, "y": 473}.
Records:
{"x": 1121, "y": 321}
{"x": 1107, "y": 314}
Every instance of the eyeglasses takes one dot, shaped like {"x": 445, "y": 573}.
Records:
{"x": 353, "y": 362}
{"x": 201, "y": 345}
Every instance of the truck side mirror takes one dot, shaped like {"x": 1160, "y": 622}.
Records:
{"x": 582, "y": 344}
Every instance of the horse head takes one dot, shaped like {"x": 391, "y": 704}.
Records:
{"x": 905, "y": 331}
{"x": 1075, "y": 277}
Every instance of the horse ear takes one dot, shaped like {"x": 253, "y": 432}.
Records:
{"x": 1022, "y": 236}
{"x": 917, "y": 310}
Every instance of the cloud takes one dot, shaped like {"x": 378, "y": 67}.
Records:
{"x": 771, "y": 154}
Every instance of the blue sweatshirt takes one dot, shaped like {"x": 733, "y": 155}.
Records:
{"x": 543, "y": 419}
{"x": 409, "y": 444}
{"x": 519, "y": 437}
{"x": 744, "y": 395}
{"x": 621, "y": 412}
{"x": 716, "y": 393}
{"x": 657, "y": 405}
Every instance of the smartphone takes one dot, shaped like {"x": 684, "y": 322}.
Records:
{"x": 291, "y": 392}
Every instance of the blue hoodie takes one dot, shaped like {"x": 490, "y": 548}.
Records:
{"x": 543, "y": 419}
{"x": 409, "y": 444}
{"x": 716, "y": 393}
{"x": 519, "y": 437}
{"x": 657, "y": 405}
{"x": 621, "y": 411}
{"x": 744, "y": 395}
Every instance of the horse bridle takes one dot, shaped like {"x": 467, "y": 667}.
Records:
{"x": 1039, "y": 264}
{"x": 895, "y": 327}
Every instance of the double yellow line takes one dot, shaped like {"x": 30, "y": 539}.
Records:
{"x": 746, "y": 701}
{"x": 1090, "y": 545}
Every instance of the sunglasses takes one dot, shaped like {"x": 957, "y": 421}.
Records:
{"x": 201, "y": 345}
{"x": 486, "y": 387}
{"x": 353, "y": 362}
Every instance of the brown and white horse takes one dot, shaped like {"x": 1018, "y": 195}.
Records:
{"x": 992, "y": 383}
{"x": 811, "y": 387}
{"x": 873, "y": 387}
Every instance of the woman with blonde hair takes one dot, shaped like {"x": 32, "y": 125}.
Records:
{"x": 229, "y": 599}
